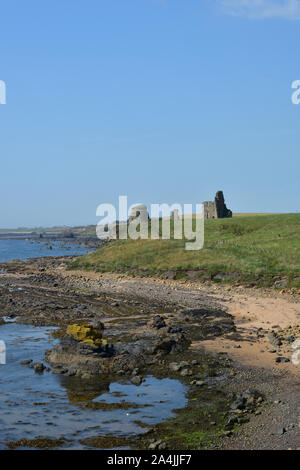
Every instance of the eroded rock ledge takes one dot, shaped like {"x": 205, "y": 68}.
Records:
{"x": 84, "y": 351}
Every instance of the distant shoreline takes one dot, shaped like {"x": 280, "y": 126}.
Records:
{"x": 85, "y": 241}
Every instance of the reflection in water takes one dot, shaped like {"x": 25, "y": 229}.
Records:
{"x": 79, "y": 391}
{"x": 54, "y": 406}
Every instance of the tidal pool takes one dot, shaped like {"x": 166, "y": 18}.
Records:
{"x": 53, "y": 406}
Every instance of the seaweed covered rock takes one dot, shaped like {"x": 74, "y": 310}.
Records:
{"x": 82, "y": 351}
{"x": 87, "y": 334}
{"x": 86, "y": 339}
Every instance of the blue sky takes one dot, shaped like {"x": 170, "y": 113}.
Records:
{"x": 161, "y": 100}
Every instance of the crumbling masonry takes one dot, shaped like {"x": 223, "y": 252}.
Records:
{"x": 216, "y": 209}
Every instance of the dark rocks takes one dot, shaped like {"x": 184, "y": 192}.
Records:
{"x": 77, "y": 352}
{"x": 128, "y": 364}
{"x": 73, "y": 357}
{"x": 274, "y": 339}
{"x": 157, "y": 322}
{"x": 238, "y": 404}
{"x": 232, "y": 420}
{"x": 212, "y": 321}
{"x": 97, "y": 325}
{"x": 170, "y": 344}
{"x": 137, "y": 342}
{"x": 280, "y": 359}
{"x": 247, "y": 400}
{"x": 290, "y": 339}
{"x": 164, "y": 340}
{"x": 136, "y": 380}
{"x": 69, "y": 345}
{"x": 174, "y": 329}
{"x": 38, "y": 367}
{"x": 134, "y": 348}
{"x": 195, "y": 314}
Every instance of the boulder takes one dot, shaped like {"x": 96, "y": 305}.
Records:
{"x": 157, "y": 322}
{"x": 87, "y": 334}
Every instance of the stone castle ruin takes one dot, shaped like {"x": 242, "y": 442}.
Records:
{"x": 216, "y": 209}
{"x": 140, "y": 211}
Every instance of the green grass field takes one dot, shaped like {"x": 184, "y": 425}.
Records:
{"x": 246, "y": 248}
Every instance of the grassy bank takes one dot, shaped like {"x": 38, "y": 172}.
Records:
{"x": 246, "y": 248}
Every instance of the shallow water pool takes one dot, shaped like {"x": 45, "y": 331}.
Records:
{"x": 52, "y": 406}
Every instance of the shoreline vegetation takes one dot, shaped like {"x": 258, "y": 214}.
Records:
{"x": 261, "y": 250}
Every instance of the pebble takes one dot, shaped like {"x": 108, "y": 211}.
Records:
{"x": 280, "y": 359}
{"x": 136, "y": 380}
{"x": 38, "y": 367}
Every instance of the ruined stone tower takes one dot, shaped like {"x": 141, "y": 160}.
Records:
{"x": 139, "y": 210}
{"x": 216, "y": 209}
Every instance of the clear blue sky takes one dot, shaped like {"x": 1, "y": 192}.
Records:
{"x": 162, "y": 100}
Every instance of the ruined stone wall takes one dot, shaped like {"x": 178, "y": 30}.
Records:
{"x": 216, "y": 209}
{"x": 139, "y": 211}
{"x": 222, "y": 211}
{"x": 210, "y": 210}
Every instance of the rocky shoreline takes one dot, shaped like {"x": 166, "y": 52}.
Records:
{"x": 111, "y": 328}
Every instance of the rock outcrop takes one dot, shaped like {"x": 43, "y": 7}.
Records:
{"x": 87, "y": 334}
{"x": 83, "y": 351}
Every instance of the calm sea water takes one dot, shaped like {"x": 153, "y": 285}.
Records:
{"x": 25, "y": 249}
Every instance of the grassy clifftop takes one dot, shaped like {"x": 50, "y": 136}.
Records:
{"x": 246, "y": 247}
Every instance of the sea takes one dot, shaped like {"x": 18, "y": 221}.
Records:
{"x": 26, "y": 249}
